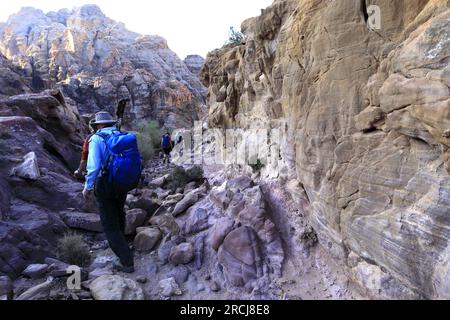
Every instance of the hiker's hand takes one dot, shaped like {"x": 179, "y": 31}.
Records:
{"x": 87, "y": 194}
{"x": 77, "y": 174}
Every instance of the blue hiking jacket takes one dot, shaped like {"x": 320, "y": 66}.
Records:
{"x": 98, "y": 155}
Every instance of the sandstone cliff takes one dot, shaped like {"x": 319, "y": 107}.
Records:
{"x": 364, "y": 121}
{"x": 97, "y": 61}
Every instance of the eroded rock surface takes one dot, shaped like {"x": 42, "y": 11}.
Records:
{"x": 41, "y": 135}
{"x": 362, "y": 118}
{"x": 97, "y": 62}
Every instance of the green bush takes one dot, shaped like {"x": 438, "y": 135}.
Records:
{"x": 148, "y": 135}
{"x": 195, "y": 174}
{"x": 180, "y": 177}
{"x": 177, "y": 179}
{"x": 72, "y": 249}
{"x": 235, "y": 37}
{"x": 146, "y": 147}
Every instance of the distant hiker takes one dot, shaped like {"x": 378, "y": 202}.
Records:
{"x": 114, "y": 168}
{"x": 167, "y": 146}
{"x": 81, "y": 171}
{"x": 179, "y": 139}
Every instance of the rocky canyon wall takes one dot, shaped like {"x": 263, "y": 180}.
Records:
{"x": 96, "y": 62}
{"x": 363, "y": 117}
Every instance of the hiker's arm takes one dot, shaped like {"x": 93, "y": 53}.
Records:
{"x": 94, "y": 164}
{"x": 83, "y": 162}
{"x": 85, "y": 152}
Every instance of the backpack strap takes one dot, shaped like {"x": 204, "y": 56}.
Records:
{"x": 104, "y": 136}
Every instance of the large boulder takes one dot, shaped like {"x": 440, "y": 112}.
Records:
{"x": 166, "y": 248}
{"x": 82, "y": 221}
{"x": 219, "y": 231}
{"x": 114, "y": 287}
{"x": 221, "y": 196}
{"x": 166, "y": 223}
{"x": 197, "y": 221}
{"x": 145, "y": 200}
{"x": 29, "y": 169}
{"x": 180, "y": 274}
{"x": 181, "y": 254}
{"x": 60, "y": 269}
{"x": 134, "y": 218}
{"x": 240, "y": 256}
{"x": 188, "y": 201}
{"x": 35, "y": 271}
{"x": 38, "y": 292}
{"x": 172, "y": 200}
{"x": 169, "y": 287}
{"x": 147, "y": 239}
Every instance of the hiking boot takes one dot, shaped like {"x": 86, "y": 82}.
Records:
{"x": 121, "y": 268}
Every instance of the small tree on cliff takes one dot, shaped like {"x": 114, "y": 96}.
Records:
{"x": 235, "y": 37}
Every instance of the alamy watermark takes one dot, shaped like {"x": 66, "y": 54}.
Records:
{"x": 253, "y": 146}
{"x": 374, "y": 19}
{"x": 74, "y": 280}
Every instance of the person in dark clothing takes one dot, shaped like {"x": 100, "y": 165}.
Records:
{"x": 167, "y": 146}
{"x": 110, "y": 199}
{"x": 179, "y": 139}
{"x": 110, "y": 203}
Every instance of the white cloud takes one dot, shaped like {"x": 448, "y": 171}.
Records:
{"x": 190, "y": 26}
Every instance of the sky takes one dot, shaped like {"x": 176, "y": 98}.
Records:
{"x": 190, "y": 26}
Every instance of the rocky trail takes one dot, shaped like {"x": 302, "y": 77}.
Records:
{"x": 347, "y": 198}
{"x": 176, "y": 256}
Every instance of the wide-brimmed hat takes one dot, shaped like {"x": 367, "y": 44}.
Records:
{"x": 104, "y": 118}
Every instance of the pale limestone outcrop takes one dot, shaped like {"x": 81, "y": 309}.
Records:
{"x": 363, "y": 118}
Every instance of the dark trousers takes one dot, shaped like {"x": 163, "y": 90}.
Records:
{"x": 111, "y": 204}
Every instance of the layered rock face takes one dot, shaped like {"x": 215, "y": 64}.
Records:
{"x": 40, "y": 138}
{"x": 97, "y": 62}
{"x": 363, "y": 124}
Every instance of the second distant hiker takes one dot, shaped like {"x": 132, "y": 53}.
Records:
{"x": 167, "y": 146}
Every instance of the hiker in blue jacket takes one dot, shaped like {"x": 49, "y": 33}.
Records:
{"x": 110, "y": 200}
